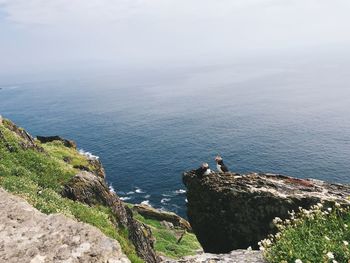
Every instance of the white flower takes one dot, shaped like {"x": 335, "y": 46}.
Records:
{"x": 298, "y": 261}
{"x": 334, "y": 261}
{"x": 346, "y": 225}
{"x": 249, "y": 248}
{"x": 330, "y": 255}
{"x": 261, "y": 248}
{"x": 320, "y": 205}
{"x": 329, "y": 209}
{"x": 327, "y": 238}
{"x": 346, "y": 243}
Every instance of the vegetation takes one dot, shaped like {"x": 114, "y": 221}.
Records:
{"x": 39, "y": 175}
{"x": 167, "y": 239}
{"x": 319, "y": 235}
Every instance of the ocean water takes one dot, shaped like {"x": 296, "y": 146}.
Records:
{"x": 148, "y": 127}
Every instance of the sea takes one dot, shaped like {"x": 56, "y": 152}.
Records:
{"x": 288, "y": 116}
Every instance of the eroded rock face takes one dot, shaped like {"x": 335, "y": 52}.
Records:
{"x": 229, "y": 211}
{"x": 27, "y": 235}
{"x": 92, "y": 190}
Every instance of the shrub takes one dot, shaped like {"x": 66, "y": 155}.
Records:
{"x": 319, "y": 235}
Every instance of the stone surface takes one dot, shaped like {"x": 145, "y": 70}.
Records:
{"x": 93, "y": 190}
{"x": 229, "y": 211}
{"x": 152, "y": 213}
{"x": 27, "y": 235}
{"x": 238, "y": 256}
{"x": 67, "y": 143}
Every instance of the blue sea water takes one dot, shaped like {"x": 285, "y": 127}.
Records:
{"x": 288, "y": 117}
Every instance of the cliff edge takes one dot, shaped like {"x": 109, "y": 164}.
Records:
{"x": 229, "y": 211}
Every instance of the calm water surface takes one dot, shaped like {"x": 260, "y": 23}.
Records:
{"x": 150, "y": 126}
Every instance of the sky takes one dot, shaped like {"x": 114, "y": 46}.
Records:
{"x": 53, "y": 34}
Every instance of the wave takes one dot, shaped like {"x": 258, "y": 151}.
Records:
{"x": 186, "y": 200}
{"x": 167, "y": 195}
{"x": 146, "y": 202}
{"x": 111, "y": 189}
{"x": 147, "y": 196}
{"x": 180, "y": 191}
{"x": 88, "y": 155}
{"x": 125, "y": 198}
{"x": 139, "y": 190}
{"x": 130, "y": 193}
{"x": 164, "y": 200}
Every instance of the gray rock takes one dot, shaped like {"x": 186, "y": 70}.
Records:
{"x": 28, "y": 235}
{"x": 238, "y": 256}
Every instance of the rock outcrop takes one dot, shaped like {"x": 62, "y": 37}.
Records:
{"x": 229, "y": 211}
{"x": 93, "y": 190}
{"x": 67, "y": 143}
{"x": 152, "y": 213}
{"x": 27, "y": 235}
{"x": 237, "y": 256}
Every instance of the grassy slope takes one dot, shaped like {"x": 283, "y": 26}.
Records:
{"x": 38, "y": 177}
{"x": 166, "y": 239}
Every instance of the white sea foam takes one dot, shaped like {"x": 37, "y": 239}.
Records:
{"x": 147, "y": 196}
{"x": 180, "y": 191}
{"x": 167, "y": 195}
{"x": 111, "y": 189}
{"x": 130, "y": 193}
{"x": 139, "y": 190}
{"x": 164, "y": 200}
{"x": 186, "y": 200}
{"x": 146, "y": 202}
{"x": 125, "y": 198}
{"x": 88, "y": 155}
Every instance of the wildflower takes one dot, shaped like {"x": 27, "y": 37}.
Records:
{"x": 277, "y": 220}
{"x": 298, "y": 261}
{"x": 334, "y": 261}
{"x": 346, "y": 243}
{"x": 330, "y": 255}
{"x": 346, "y": 225}
{"x": 329, "y": 209}
{"x": 261, "y": 248}
{"x": 327, "y": 238}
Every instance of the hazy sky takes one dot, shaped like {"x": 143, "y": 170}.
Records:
{"x": 36, "y": 34}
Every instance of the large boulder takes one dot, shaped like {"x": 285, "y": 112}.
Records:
{"x": 27, "y": 235}
{"x": 229, "y": 211}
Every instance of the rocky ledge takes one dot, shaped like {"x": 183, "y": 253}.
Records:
{"x": 231, "y": 211}
{"x": 237, "y": 256}
{"x": 26, "y": 233}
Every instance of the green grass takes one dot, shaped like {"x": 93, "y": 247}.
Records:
{"x": 166, "y": 239}
{"x": 314, "y": 236}
{"x": 38, "y": 177}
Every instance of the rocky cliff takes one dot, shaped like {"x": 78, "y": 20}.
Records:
{"x": 230, "y": 211}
